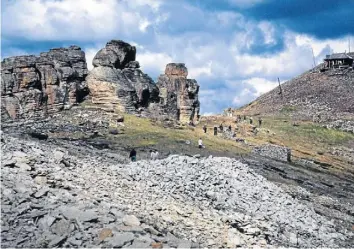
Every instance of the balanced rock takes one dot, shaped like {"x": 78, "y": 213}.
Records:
{"x": 32, "y": 85}
{"x": 117, "y": 54}
{"x": 117, "y": 83}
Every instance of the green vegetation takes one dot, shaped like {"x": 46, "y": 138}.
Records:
{"x": 145, "y": 133}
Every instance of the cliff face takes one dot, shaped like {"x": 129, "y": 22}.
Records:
{"x": 32, "y": 86}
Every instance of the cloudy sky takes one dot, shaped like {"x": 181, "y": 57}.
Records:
{"x": 235, "y": 49}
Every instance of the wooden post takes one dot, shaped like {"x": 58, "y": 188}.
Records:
{"x": 280, "y": 90}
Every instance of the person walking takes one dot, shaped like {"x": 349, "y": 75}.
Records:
{"x": 132, "y": 155}
{"x": 154, "y": 155}
{"x": 215, "y": 131}
{"x": 200, "y": 143}
{"x": 260, "y": 122}
{"x": 204, "y": 128}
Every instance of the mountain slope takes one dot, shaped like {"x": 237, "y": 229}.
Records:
{"x": 328, "y": 95}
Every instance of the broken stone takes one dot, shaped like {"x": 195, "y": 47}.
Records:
{"x": 41, "y": 192}
{"x": 121, "y": 239}
{"x": 105, "y": 233}
{"x": 58, "y": 241}
{"x": 131, "y": 220}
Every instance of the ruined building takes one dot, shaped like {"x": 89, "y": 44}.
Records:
{"x": 339, "y": 60}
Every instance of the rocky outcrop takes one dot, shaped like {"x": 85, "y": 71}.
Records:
{"x": 32, "y": 85}
{"x": 178, "y": 95}
{"x": 116, "y": 83}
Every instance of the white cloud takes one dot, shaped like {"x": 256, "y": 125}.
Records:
{"x": 80, "y": 20}
{"x": 153, "y": 62}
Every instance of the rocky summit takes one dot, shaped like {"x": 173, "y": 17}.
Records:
{"x": 55, "y": 196}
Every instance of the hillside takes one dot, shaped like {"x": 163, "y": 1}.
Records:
{"x": 79, "y": 168}
{"x": 327, "y": 96}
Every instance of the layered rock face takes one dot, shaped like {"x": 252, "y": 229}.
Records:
{"x": 178, "y": 95}
{"x": 32, "y": 86}
{"x": 117, "y": 83}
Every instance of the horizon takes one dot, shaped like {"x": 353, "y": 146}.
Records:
{"x": 235, "y": 50}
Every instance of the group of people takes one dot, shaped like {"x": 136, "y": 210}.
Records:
{"x": 154, "y": 155}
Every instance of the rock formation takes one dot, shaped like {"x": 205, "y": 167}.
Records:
{"x": 117, "y": 83}
{"x": 31, "y": 85}
{"x": 179, "y": 95}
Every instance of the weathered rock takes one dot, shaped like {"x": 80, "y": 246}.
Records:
{"x": 131, "y": 220}
{"x": 117, "y": 54}
{"x": 178, "y": 95}
{"x": 119, "y": 240}
{"x": 116, "y": 83}
{"x": 33, "y": 86}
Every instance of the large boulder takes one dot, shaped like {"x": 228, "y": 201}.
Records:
{"x": 116, "y": 54}
{"x": 178, "y": 95}
{"x": 116, "y": 83}
{"x": 33, "y": 85}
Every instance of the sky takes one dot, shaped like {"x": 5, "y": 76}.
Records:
{"x": 235, "y": 49}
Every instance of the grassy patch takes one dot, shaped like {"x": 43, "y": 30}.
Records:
{"x": 142, "y": 132}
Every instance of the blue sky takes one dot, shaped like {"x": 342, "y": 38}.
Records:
{"x": 235, "y": 49}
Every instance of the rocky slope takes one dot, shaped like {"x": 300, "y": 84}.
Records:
{"x": 71, "y": 196}
{"x": 32, "y": 86}
{"x": 315, "y": 95}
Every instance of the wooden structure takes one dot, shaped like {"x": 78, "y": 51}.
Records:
{"x": 338, "y": 60}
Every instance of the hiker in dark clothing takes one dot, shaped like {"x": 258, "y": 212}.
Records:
{"x": 132, "y": 155}
{"x": 260, "y": 122}
{"x": 215, "y": 130}
{"x": 221, "y": 128}
{"x": 251, "y": 120}
{"x": 204, "y": 128}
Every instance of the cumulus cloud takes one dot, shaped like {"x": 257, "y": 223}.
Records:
{"x": 79, "y": 20}
{"x": 153, "y": 63}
